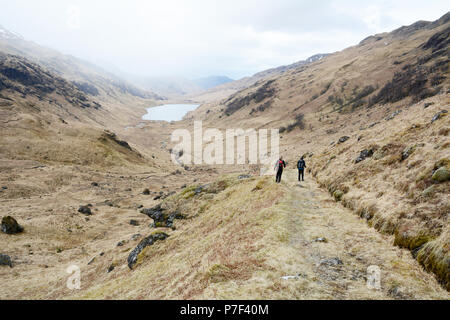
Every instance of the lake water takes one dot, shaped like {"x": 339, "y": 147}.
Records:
{"x": 169, "y": 112}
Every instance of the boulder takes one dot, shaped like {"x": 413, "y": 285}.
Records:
{"x": 343, "y": 139}
{"x": 441, "y": 175}
{"x": 134, "y": 223}
{"x": 85, "y": 210}
{"x": 148, "y": 241}
{"x": 5, "y": 260}
{"x": 10, "y": 226}
{"x": 364, "y": 155}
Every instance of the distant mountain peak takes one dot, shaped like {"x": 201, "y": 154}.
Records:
{"x": 6, "y": 34}
{"x": 212, "y": 81}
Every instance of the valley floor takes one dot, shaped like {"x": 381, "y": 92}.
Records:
{"x": 240, "y": 249}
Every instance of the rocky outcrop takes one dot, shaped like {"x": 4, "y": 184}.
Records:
{"x": 161, "y": 217}
{"x": 148, "y": 241}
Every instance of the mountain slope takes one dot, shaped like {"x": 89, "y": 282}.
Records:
{"x": 225, "y": 90}
{"x": 87, "y": 77}
{"x": 48, "y": 119}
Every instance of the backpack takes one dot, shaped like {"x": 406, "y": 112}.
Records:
{"x": 279, "y": 165}
{"x": 301, "y": 164}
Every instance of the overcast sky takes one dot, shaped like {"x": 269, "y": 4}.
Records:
{"x": 196, "y": 38}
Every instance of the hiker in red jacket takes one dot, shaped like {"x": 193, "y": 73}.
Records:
{"x": 279, "y": 166}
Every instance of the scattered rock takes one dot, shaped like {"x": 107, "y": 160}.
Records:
{"x": 426, "y": 105}
{"x": 111, "y": 268}
{"x": 441, "y": 175}
{"x": 321, "y": 240}
{"x": 148, "y": 241}
{"x": 4, "y": 188}
{"x": 407, "y": 152}
{"x": 85, "y": 210}
{"x": 393, "y": 115}
{"x": 183, "y": 186}
{"x": 199, "y": 190}
{"x": 331, "y": 262}
{"x": 136, "y": 237}
{"x": 397, "y": 293}
{"x": 10, "y": 225}
{"x": 343, "y": 139}
{"x": 134, "y": 223}
{"x": 109, "y": 203}
{"x": 121, "y": 243}
{"x": 146, "y": 192}
{"x": 296, "y": 277}
{"x": 244, "y": 176}
{"x": 157, "y": 197}
{"x": 5, "y": 260}
{"x": 94, "y": 184}
{"x": 438, "y": 115}
{"x": 364, "y": 155}
{"x": 338, "y": 194}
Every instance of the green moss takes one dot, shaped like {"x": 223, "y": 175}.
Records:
{"x": 188, "y": 190}
{"x": 441, "y": 175}
{"x": 218, "y": 273}
{"x": 436, "y": 261}
{"x": 189, "y": 195}
{"x": 338, "y": 194}
{"x": 411, "y": 240}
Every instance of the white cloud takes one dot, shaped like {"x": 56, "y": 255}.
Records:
{"x": 203, "y": 37}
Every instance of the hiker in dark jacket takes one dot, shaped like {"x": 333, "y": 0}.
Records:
{"x": 279, "y": 166}
{"x": 301, "y": 165}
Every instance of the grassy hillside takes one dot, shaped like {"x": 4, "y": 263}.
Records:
{"x": 382, "y": 95}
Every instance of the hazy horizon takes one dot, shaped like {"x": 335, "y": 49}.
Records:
{"x": 206, "y": 38}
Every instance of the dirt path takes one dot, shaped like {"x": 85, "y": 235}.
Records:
{"x": 330, "y": 249}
